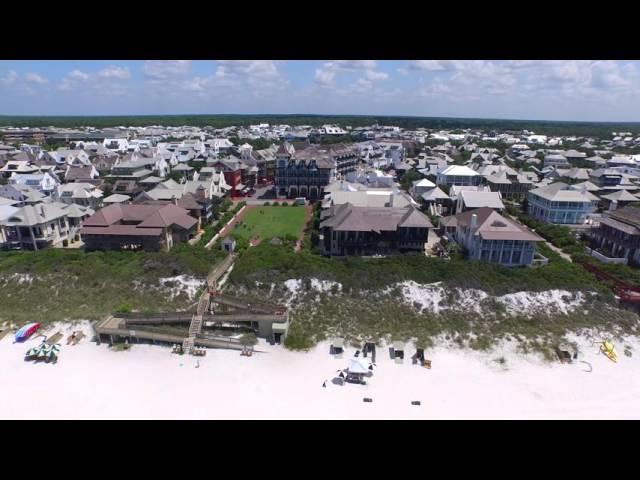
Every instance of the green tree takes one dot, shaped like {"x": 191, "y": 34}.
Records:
{"x": 408, "y": 178}
{"x": 175, "y": 176}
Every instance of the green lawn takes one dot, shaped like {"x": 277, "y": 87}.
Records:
{"x": 269, "y": 222}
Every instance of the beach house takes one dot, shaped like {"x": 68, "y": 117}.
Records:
{"x": 618, "y": 234}
{"x": 469, "y": 200}
{"x": 487, "y": 236}
{"x": 34, "y": 227}
{"x": 458, "y": 175}
{"x": 350, "y": 230}
{"x": 559, "y": 203}
{"x": 137, "y": 227}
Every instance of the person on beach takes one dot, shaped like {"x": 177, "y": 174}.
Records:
{"x": 324, "y": 384}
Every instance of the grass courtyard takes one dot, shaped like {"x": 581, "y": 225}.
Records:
{"x": 268, "y": 222}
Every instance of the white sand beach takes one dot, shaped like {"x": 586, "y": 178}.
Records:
{"x": 149, "y": 382}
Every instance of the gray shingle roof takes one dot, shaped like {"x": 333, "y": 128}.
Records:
{"x": 561, "y": 192}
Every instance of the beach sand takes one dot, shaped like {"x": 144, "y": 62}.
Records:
{"x": 148, "y": 382}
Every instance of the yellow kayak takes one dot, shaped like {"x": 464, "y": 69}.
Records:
{"x": 609, "y": 351}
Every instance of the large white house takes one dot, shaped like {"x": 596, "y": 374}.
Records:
{"x": 120, "y": 145}
{"x": 34, "y": 227}
{"x": 458, "y": 175}
{"x": 79, "y": 193}
{"x": 43, "y": 182}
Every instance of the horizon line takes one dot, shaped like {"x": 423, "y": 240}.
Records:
{"x": 318, "y": 115}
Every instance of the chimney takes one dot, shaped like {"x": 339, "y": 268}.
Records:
{"x": 474, "y": 222}
{"x": 174, "y": 200}
{"x": 613, "y": 205}
{"x": 42, "y": 210}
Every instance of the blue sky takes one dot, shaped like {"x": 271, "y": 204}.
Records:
{"x": 523, "y": 89}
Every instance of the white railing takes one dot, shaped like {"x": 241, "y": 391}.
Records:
{"x": 604, "y": 259}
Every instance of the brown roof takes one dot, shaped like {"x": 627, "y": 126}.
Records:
{"x": 493, "y": 226}
{"x": 346, "y": 217}
{"x": 128, "y": 230}
{"x": 629, "y": 214}
{"x": 78, "y": 173}
{"x": 147, "y": 216}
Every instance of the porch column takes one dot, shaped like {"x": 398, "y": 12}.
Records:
{"x": 33, "y": 238}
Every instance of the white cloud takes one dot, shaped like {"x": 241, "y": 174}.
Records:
{"x": 10, "y": 78}
{"x": 326, "y": 74}
{"x": 78, "y": 75}
{"x": 114, "y": 72}
{"x": 354, "y": 64}
{"x": 374, "y": 75}
{"x": 35, "y": 78}
{"x": 433, "y": 65}
{"x": 363, "y": 84}
{"x": 608, "y": 74}
{"x": 247, "y": 68}
{"x": 196, "y": 84}
{"x": 72, "y": 80}
{"x": 469, "y": 78}
{"x": 325, "y": 77}
{"x": 105, "y": 82}
{"x": 437, "y": 87}
{"x": 163, "y": 69}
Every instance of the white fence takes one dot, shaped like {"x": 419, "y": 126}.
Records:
{"x": 604, "y": 259}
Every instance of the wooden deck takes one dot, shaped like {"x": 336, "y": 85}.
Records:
{"x": 115, "y": 327}
{"x": 140, "y": 326}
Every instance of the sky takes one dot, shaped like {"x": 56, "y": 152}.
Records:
{"x": 581, "y": 90}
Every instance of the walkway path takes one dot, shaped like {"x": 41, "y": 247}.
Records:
{"x": 559, "y": 252}
{"x": 225, "y": 231}
{"x": 308, "y": 217}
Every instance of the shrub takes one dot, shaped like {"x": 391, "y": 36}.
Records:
{"x": 241, "y": 244}
{"x": 298, "y": 340}
{"x": 266, "y": 204}
{"x": 290, "y": 238}
{"x": 285, "y": 204}
{"x": 65, "y": 243}
{"x": 248, "y": 339}
{"x": 124, "y": 308}
{"x": 276, "y": 204}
